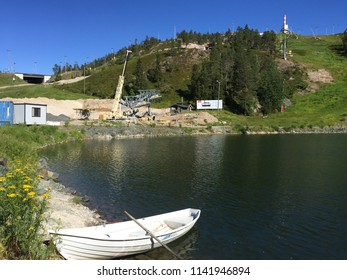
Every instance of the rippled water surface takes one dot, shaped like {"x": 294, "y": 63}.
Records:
{"x": 262, "y": 197}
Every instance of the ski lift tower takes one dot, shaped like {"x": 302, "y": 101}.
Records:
{"x": 285, "y": 31}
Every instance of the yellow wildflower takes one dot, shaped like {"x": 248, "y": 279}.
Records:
{"x": 46, "y": 196}
{"x": 2, "y": 179}
{"x": 31, "y": 194}
{"x": 9, "y": 175}
{"x": 18, "y": 170}
{"x": 11, "y": 187}
{"x": 2, "y": 189}
{"x": 11, "y": 195}
{"x": 27, "y": 187}
{"x": 27, "y": 180}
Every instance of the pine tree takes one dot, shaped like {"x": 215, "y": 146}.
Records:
{"x": 268, "y": 42}
{"x": 140, "y": 77}
{"x": 270, "y": 91}
{"x": 154, "y": 74}
{"x": 245, "y": 80}
{"x": 227, "y": 74}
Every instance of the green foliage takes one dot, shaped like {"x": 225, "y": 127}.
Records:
{"x": 22, "y": 208}
{"x": 21, "y": 142}
{"x": 236, "y": 69}
{"x": 140, "y": 77}
{"x": 154, "y": 74}
{"x": 270, "y": 92}
{"x": 344, "y": 41}
{"x": 22, "y": 204}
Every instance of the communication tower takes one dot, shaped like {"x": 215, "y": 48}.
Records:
{"x": 285, "y": 31}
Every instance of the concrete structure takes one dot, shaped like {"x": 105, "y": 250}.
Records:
{"x": 29, "y": 114}
{"x": 33, "y": 78}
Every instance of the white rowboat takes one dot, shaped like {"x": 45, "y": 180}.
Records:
{"x": 116, "y": 240}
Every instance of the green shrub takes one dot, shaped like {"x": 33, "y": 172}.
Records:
{"x": 240, "y": 128}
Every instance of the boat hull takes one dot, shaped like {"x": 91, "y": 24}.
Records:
{"x": 122, "y": 239}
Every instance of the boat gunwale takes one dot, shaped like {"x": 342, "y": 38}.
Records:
{"x": 145, "y": 237}
{"x": 130, "y": 239}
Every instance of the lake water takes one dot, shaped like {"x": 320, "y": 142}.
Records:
{"x": 262, "y": 197}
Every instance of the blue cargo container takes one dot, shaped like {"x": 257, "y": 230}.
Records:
{"x": 6, "y": 113}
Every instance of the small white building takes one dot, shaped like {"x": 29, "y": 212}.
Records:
{"x": 29, "y": 114}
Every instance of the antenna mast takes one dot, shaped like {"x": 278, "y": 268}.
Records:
{"x": 285, "y": 31}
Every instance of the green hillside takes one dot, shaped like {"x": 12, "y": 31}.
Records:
{"x": 326, "y": 105}
{"x": 7, "y": 79}
{"x": 176, "y": 73}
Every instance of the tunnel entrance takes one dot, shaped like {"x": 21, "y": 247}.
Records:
{"x": 33, "y": 79}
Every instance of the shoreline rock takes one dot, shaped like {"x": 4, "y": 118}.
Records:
{"x": 65, "y": 209}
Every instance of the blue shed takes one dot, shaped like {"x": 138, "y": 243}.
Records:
{"x": 6, "y": 113}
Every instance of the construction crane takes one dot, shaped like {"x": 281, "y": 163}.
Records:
{"x": 116, "y": 108}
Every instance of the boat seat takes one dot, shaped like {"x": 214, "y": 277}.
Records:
{"x": 156, "y": 228}
{"x": 174, "y": 223}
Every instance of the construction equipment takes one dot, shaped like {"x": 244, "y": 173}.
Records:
{"x": 116, "y": 108}
{"x": 144, "y": 98}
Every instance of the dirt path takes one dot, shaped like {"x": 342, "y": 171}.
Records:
{"x": 71, "y": 81}
{"x": 19, "y": 85}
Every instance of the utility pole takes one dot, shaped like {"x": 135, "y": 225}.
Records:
{"x": 65, "y": 62}
{"x": 218, "y": 93}
{"x": 84, "y": 79}
{"x": 9, "y": 60}
{"x": 14, "y": 71}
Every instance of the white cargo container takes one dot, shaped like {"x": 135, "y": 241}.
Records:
{"x": 209, "y": 104}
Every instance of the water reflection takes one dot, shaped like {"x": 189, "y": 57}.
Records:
{"x": 265, "y": 197}
{"x": 207, "y": 161}
{"x": 183, "y": 247}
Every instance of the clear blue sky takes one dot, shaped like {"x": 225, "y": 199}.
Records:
{"x": 34, "y": 35}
